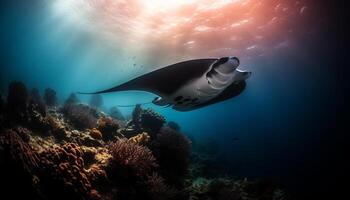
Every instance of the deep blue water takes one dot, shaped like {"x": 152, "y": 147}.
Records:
{"x": 285, "y": 119}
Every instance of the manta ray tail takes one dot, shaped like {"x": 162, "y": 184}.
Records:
{"x": 113, "y": 89}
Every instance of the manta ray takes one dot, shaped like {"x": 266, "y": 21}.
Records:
{"x": 191, "y": 84}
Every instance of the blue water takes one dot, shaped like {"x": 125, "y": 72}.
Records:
{"x": 282, "y": 119}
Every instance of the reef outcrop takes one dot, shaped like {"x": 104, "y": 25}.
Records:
{"x": 75, "y": 151}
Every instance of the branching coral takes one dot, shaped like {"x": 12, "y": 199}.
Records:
{"x": 17, "y": 162}
{"x": 129, "y": 160}
{"x": 50, "y": 97}
{"x": 81, "y": 116}
{"x": 108, "y": 128}
{"x": 172, "y": 150}
{"x": 62, "y": 173}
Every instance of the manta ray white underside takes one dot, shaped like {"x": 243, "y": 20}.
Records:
{"x": 190, "y": 84}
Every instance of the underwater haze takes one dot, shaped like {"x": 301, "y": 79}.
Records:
{"x": 282, "y": 127}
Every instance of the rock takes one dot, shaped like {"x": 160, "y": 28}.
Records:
{"x": 96, "y": 101}
{"x": 50, "y": 97}
{"x": 115, "y": 113}
{"x": 108, "y": 127}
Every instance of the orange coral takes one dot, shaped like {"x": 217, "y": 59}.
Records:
{"x": 62, "y": 173}
{"x": 141, "y": 138}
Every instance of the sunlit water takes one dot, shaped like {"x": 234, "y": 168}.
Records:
{"x": 85, "y": 46}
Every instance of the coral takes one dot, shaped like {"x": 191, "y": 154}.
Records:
{"x": 72, "y": 99}
{"x": 228, "y": 189}
{"x": 50, "y": 97}
{"x": 115, "y": 113}
{"x": 96, "y": 101}
{"x": 81, "y": 116}
{"x": 140, "y": 139}
{"x": 174, "y": 126}
{"x": 172, "y": 150}
{"x": 23, "y": 133}
{"x": 151, "y": 121}
{"x": 108, "y": 128}
{"x": 96, "y": 134}
{"x": 98, "y": 177}
{"x": 17, "y": 102}
{"x": 62, "y": 173}
{"x": 89, "y": 154}
{"x": 129, "y": 161}
{"x": 18, "y": 162}
{"x": 158, "y": 190}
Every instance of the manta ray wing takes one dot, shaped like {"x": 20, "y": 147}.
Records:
{"x": 166, "y": 80}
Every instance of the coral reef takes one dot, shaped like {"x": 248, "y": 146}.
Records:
{"x": 96, "y": 101}
{"x": 172, "y": 150}
{"x": 115, "y": 113}
{"x": 75, "y": 151}
{"x": 62, "y": 173}
{"x": 50, "y": 97}
{"x": 81, "y": 116}
{"x": 228, "y": 189}
{"x": 108, "y": 127}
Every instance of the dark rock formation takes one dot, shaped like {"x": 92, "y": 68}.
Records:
{"x": 81, "y": 116}
{"x": 172, "y": 150}
{"x": 50, "y": 97}
{"x": 115, "y": 113}
{"x": 17, "y": 102}
{"x": 173, "y": 125}
{"x": 108, "y": 127}
{"x": 96, "y": 101}
{"x": 72, "y": 99}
